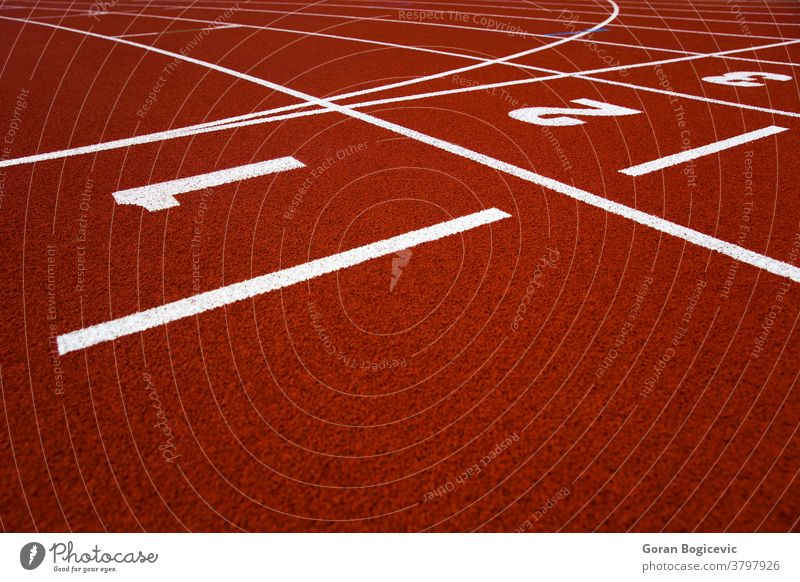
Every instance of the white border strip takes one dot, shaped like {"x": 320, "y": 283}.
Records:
{"x": 693, "y": 154}
{"x": 116, "y": 328}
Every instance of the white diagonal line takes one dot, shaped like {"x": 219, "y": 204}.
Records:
{"x": 693, "y": 154}
{"x": 259, "y": 117}
{"x": 116, "y": 328}
{"x": 703, "y": 240}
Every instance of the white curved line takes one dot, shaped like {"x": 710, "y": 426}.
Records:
{"x": 266, "y": 116}
{"x": 736, "y": 252}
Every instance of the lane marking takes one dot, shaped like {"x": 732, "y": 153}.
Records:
{"x": 161, "y": 196}
{"x": 650, "y": 5}
{"x": 307, "y": 98}
{"x": 260, "y": 117}
{"x": 495, "y": 30}
{"x": 217, "y": 125}
{"x": 639, "y": 47}
{"x": 570, "y": 32}
{"x": 741, "y": 254}
{"x": 693, "y": 154}
{"x": 689, "y": 96}
{"x": 499, "y": 60}
{"x": 534, "y": 8}
{"x": 526, "y": 34}
{"x": 137, "y": 322}
{"x": 163, "y": 32}
{"x": 539, "y": 6}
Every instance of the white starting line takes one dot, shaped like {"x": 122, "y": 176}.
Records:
{"x": 130, "y": 324}
{"x": 162, "y": 195}
{"x": 693, "y": 154}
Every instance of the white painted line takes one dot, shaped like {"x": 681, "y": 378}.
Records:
{"x": 592, "y": 40}
{"x": 162, "y": 195}
{"x": 163, "y": 32}
{"x": 640, "y": 47}
{"x": 217, "y": 125}
{"x": 737, "y": 252}
{"x": 352, "y": 18}
{"x": 534, "y": 9}
{"x": 116, "y": 328}
{"x": 538, "y": 6}
{"x": 550, "y": 45}
{"x": 598, "y": 41}
{"x": 308, "y": 99}
{"x": 260, "y": 117}
{"x": 693, "y": 154}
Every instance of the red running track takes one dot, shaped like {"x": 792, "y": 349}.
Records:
{"x": 565, "y": 369}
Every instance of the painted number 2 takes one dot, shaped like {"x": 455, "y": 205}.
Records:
{"x": 745, "y": 78}
{"x": 542, "y": 115}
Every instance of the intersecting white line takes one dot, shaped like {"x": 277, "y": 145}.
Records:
{"x": 528, "y": 7}
{"x": 456, "y": 26}
{"x": 736, "y": 252}
{"x": 307, "y": 98}
{"x": 720, "y": 55}
{"x": 162, "y": 32}
{"x": 269, "y": 116}
{"x": 532, "y": 8}
{"x": 571, "y": 9}
{"x": 439, "y": 24}
{"x": 495, "y": 61}
{"x": 130, "y": 324}
{"x": 639, "y": 47}
{"x": 598, "y": 41}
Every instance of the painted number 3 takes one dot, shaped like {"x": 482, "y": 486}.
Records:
{"x": 564, "y": 115}
{"x": 745, "y": 78}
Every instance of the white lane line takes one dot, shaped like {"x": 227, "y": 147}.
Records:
{"x": 640, "y": 47}
{"x": 217, "y": 125}
{"x": 663, "y": 17}
{"x": 741, "y": 254}
{"x": 527, "y": 6}
{"x": 528, "y": 9}
{"x": 541, "y": 6}
{"x": 308, "y": 99}
{"x": 456, "y": 26}
{"x": 696, "y": 7}
{"x": 693, "y": 154}
{"x": 531, "y": 9}
{"x": 162, "y": 195}
{"x": 260, "y": 117}
{"x": 499, "y": 60}
{"x": 163, "y": 32}
{"x": 137, "y": 322}
{"x": 688, "y": 96}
